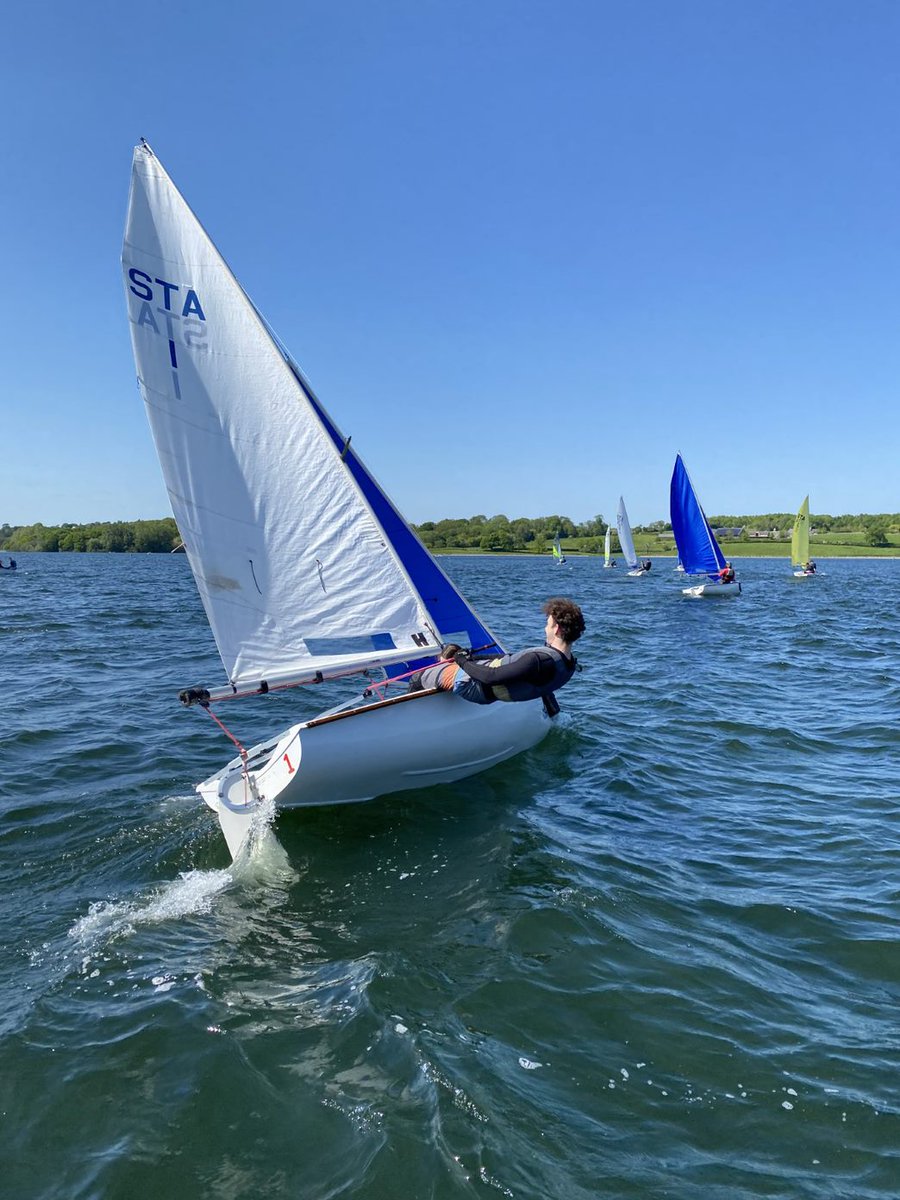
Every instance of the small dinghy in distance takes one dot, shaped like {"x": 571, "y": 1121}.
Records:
{"x": 698, "y": 549}
{"x": 607, "y": 549}
{"x": 306, "y": 570}
{"x": 626, "y": 541}
{"x": 804, "y": 567}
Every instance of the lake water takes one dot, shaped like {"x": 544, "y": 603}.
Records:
{"x": 657, "y": 956}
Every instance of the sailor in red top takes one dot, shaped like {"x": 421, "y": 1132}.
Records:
{"x": 726, "y": 575}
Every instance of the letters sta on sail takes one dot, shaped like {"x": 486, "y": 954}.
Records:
{"x": 296, "y": 573}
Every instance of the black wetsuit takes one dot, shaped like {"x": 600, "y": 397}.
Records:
{"x": 528, "y": 675}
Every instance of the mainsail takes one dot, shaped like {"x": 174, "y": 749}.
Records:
{"x": 697, "y": 546}
{"x": 305, "y": 568}
{"x": 625, "y": 539}
{"x": 800, "y": 536}
{"x": 606, "y": 546}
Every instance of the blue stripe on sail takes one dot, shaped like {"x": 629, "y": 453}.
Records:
{"x": 697, "y": 547}
{"x": 447, "y": 608}
{"x": 384, "y": 641}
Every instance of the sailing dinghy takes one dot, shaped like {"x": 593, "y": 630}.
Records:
{"x": 558, "y": 552}
{"x": 306, "y": 570}
{"x": 698, "y": 550}
{"x": 803, "y": 567}
{"x": 626, "y": 541}
{"x": 607, "y": 547}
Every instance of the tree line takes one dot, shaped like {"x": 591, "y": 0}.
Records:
{"x": 117, "y": 537}
{"x": 499, "y": 533}
{"x": 535, "y": 534}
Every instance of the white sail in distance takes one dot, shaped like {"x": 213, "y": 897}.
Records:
{"x": 295, "y": 573}
{"x": 625, "y": 539}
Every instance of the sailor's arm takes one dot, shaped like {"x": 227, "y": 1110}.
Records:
{"x": 528, "y": 666}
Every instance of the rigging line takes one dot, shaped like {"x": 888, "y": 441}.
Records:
{"x": 249, "y": 783}
{"x": 227, "y": 732}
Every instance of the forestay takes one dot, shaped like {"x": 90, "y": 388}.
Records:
{"x": 697, "y": 546}
{"x": 298, "y": 575}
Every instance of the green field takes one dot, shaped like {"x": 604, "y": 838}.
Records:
{"x": 837, "y": 545}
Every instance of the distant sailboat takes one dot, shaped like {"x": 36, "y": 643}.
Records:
{"x": 306, "y": 570}
{"x": 698, "y": 549}
{"x": 608, "y": 561}
{"x": 803, "y": 565}
{"x": 626, "y": 541}
{"x": 557, "y": 552}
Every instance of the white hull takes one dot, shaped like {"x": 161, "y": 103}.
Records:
{"x": 357, "y": 753}
{"x": 804, "y": 574}
{"x": 712, "y": 591}
{"x": 636, "y": 572}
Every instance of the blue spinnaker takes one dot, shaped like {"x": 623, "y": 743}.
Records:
{"x": 697, "y": 546}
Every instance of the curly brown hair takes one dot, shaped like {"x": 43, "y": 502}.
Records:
{"x": 567, "y": 615}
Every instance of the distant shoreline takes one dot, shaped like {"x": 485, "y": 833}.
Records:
{"x": 579, "y": 554}
{"x": 468, "y": 552}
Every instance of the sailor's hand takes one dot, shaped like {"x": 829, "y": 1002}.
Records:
{"x": 461, "y": 655}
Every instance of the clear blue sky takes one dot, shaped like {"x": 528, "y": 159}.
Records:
{"x": 525, "y": 252}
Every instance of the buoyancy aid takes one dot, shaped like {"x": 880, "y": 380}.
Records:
{"x": 557, "y": 672}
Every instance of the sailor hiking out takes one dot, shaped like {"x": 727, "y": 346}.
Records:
{"x": 528, "y": 675}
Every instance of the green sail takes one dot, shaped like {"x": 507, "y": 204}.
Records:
{"x": 800, "y": 536}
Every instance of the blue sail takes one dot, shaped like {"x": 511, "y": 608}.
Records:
{"x": 453, "y": 617}
{"x": 697, "y": 546}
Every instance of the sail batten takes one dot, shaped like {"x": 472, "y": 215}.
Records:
{"x": 697, "y": 546}
{"x": 283, "y": 543}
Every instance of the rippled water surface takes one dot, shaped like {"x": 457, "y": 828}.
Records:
{"x": 657, "y": 956}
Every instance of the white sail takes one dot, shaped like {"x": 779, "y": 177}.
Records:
{"x": 625, "y": 539}
{"x": 606, "y": 546}
{"x": 289, "y": 560}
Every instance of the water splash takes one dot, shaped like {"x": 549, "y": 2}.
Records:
{"x": 262, "y": 859}
{"x": 192, "y": 893}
